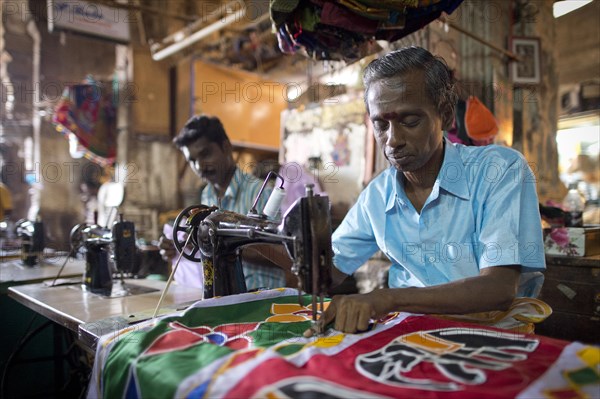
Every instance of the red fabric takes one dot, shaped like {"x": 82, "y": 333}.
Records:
{"x": 424, "y": 369}
{"x": 335, "y": 15}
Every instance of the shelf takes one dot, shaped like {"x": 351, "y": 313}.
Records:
{"x": 244, "y": 146}
{"x": 587, "y": 118}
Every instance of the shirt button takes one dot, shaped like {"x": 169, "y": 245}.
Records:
{"x": 431, "y": 259}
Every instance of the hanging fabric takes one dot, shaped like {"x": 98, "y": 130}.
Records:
{"x": 480, "y": 123}
{"x": 348, "y": 30}
{"x": 87, "y": 112}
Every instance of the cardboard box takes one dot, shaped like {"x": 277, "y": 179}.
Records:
{"x": 572, "y": 241}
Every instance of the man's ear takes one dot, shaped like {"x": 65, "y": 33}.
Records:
{"x": 227, "y": 147}
{"x": 447, "y": 116}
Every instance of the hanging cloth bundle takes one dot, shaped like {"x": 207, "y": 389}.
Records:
{"x": 480, "y": 123}
{"x": 348, "y": 30}
{"x": 87, "y": 111}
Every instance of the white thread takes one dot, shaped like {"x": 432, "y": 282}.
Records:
{"x": 274, "y": 202}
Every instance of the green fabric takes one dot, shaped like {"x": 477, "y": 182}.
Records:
{"x": 284, "y": 5}
{"x": 177, "y": 365}
{"x": 308, "y": 18}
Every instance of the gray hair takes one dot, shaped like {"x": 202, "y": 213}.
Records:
{"x": 439, "y": 79}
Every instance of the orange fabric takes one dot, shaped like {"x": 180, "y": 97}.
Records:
{"x": 521, "y": 317}
{"x": 480, "y": 123}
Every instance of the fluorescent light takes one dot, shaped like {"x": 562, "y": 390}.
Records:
{"x": 563, "y": 7}
{"x": 199, "y": 35}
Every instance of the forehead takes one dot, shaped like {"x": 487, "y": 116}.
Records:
{"x": 405, "y": 91}
{"x": 199, "y": 146}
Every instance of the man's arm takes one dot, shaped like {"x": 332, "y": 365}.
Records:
{"x": 167, "y": 248}
{"x": 276, "y": 255}
{"x": 494, "y": 289}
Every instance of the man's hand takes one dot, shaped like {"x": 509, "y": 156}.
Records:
{"x": 352, "y": 313}
{"x": 167, "y": 248}
{"x": 493, "y": 289}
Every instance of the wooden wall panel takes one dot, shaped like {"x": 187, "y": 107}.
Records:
{"x": 248, "y": 106}
{"x": 184, "y": 94}
{"x": 578, "y": 44}
{"x": 149, "y": 95}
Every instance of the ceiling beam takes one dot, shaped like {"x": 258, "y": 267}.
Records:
{"x": 192, "y": 38}
{"x": 146, "y": 9}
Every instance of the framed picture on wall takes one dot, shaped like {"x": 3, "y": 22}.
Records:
{"x": 527, "y": 70}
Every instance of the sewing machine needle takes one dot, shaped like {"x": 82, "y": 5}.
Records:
{"x": 162, "y": 296}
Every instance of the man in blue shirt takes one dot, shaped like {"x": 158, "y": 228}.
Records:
{"x": 209, "y": 153}
{"x": 460, "y": 224}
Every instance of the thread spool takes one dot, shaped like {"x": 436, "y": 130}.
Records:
{"x": 274, "y": 202}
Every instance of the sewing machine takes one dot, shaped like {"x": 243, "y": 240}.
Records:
{"x": 106, "y": 250}
{"x": 32, "y": 239}
{"x": 215, "y": 236}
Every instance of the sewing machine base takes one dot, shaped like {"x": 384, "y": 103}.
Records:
{"x": 117, "y": 290}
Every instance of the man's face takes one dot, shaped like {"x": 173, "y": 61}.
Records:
{"x": 208, "y": 160}
{"x": 407, "y": 125}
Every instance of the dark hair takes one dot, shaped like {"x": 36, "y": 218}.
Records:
{"x": 439, "y": 79}
{"x": 200, "y": 126}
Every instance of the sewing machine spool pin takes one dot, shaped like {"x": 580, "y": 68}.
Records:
{"x": 253, "y": 210}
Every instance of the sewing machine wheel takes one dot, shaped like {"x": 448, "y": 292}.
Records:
{"x": 76, "y": 236}
{"x": 187, "y": 222}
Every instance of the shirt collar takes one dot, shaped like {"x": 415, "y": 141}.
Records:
{"x": 234, "y": 184}
{"x": 451, "y": 178}
{"x": 453, "y": 175}
{"x": 397, "y": 190}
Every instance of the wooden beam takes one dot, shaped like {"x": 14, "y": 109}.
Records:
{"x": 151, "y": 10}
{"x": 465, "y": 32}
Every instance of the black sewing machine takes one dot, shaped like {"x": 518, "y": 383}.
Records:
{"x": 106, "y": 251}
{"x": 32, "y": 239}
{"x": 215, "y": 237}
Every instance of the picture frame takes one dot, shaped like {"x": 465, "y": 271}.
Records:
{"x": 528, "y": 69}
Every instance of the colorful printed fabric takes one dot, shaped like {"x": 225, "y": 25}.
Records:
{"x": 417, "y": 18}
{"x": 337, "y": 15}
{"x": 87, "y": 111}
{"x": 251, "y": 345}
{"x": 347, "y": 30}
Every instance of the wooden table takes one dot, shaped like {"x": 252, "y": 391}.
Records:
{"x": 572, "y": 289}
{"x": 92, "y": 315}
{"x": 14, "y": 272}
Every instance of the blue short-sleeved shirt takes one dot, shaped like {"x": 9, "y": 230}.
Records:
{"x": 239, "y": 196}
{"x": 482, "y": 212}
